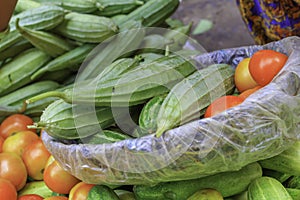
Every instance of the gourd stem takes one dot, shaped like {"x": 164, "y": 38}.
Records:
{"x": 58, "y": 94}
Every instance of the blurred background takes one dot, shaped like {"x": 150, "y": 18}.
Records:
{"x": 227, "y": 27}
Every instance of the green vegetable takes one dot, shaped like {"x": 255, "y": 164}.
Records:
{"x": 36, "y": 187}
{"x": 102, "y": 192}
{"x": 294, "y": 193}
{"x": 106, "y": 136}
{"x": 227, "y": 183}
{"x": 15, "y": 49}
{"x": 206, "y": 194}
{"x": 188, "y": 99}
{"x": 267, "y": 188}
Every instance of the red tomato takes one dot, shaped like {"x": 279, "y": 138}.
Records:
{"x": 80, "y": 191}
{"x": 35, "y": 158}
{"x": 7, "y": 190}
{"x": 59, "y": 180}
{"x": 30, "y": 197}
{"x": 221, "y": 104}
{"x": 57, "y": 198}
{"x": 18, "y": 141}
{"x": 248, "y": 92}
{"x": 265, "y": 64}
{"x": 242, "y": 77}
{"x": 1, "y": 143}
{"x": 14, "y": 123}
{"x": 13, "y": 169}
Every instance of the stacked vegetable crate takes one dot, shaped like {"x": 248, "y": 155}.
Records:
{"x": 51, "y": 59}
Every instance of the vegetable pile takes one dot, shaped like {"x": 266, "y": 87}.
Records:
{"x": 83, "y": 77}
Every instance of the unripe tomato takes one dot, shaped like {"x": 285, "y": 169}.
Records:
{"x": 18, "y": 141}
{"x": 80, "y": 191}
{"x": 13, "y": 169}
{"x": 221, "y": 104}
{"x": 7, "y": 190}
{"x": 242, "y": 77}
{"x": 14, "y": 123}
{"x": 35, "y": 158}
{"x": 265, "y": 64}
{"x": 59, "y": 180}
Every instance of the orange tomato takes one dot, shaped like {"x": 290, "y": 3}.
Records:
{"x": 59, "y": 180}
{"x": 1, "y": 143}
{"x": 35, "y": 158}
{"x": 221, "y": 104}
{"x": 248, "y": 92}
{"x": 14, "y": 123}
{"x": 265, "y": 64}
{"x": 7, "y": 190}
{"x": 242, "y": 77}
{"x": 80, "y": 191}
{"x": 30, "y": 197}
{"x": 18, "y": 141}
{"x": 13, "y": 169}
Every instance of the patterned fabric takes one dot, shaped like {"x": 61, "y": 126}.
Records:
{"x": 271, "y": 20}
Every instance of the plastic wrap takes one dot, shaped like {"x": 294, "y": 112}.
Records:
{"x": 261, "y": 127}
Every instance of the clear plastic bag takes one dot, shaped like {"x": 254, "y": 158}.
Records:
{"x": 261, "y": 127}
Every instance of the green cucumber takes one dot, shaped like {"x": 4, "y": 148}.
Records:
{"x": 60, "y": 121}
{"x": 281, "y": 177}
{"x": 286, "y": 162}
{"x": 17, "y": 72}
{"x": 293, "y": 182}
{"x": 135, "y": 88}
{"x": 188, "y": 99}
{"x": 147, "y": 118}
{"x": 102, "y": 192}
{"x": 294, "y": 193}
{"x": 69, "y": 59}
{"x": 126, "y": 41}
{"x": 87, "y": 28}
{"x": 153, "y": 12}
{"x": 50, "y": 43}
{"x": 206, "y": 194}
{"x": 227, "y": 183}
{"x": 15, "y": 49}
{"x": 80, "y": 6}
{"x": 267, "y": 188}
{"x": 115, "y": 7}
{"x": 106, "y": 136}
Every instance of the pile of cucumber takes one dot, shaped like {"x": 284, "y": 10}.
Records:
{"x": 157, "y": 88}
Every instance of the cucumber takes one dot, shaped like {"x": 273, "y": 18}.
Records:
{"x": 188, "y": 99}
{"x": 15, "y": 49}
{"x": 294, "y": 193}
{"x": 50, "y": 43}
{"x": 111, "y": 8}
{"x": 86, "y": 28}
{"x": 17, "y": 72}
{"x": 281, "y": 177}
{"x": 147, "y": 118}
{"x": 102, "y": 192}
{"x": 135, "y": 88}
{"x": 286, "y": 162}
{"x": 106, "y": 136}
{"x": 206, "y": 194}
{"x": 227, "y": 183}
{"x": 80, "y": 6}
{"x": 153, "y": 12}
{"x": 126, "y": 41}
{"x": 69, "y": 59}
{"x": 267, "y": 188}
{"x": 60, "y": 121}
{"x": 293, "y": 182}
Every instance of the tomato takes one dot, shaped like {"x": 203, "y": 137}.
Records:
{"x": 57, "y": 198}
{"x": 58, "y": 180}
{"x": 18, "y": 141}
{"x": 248, "y": 92}
{"x": 242, "y": 77}
{"x": 80, "y": 191}
{"x": 7, "y": 190}
{"x": 221, "y": 104}
{"x": 14, "y": 123}
{"x": 13, "y": 169}
{"x": 35, "y": 158}
{"x": 265, "y": 64}
{"x": 1, "y": 143}
{"x": 30, "y": 197}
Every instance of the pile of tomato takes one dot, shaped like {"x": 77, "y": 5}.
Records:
{"x": 24, "y": 159}
{"x": 251, "y": 74}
